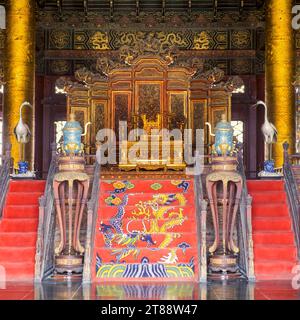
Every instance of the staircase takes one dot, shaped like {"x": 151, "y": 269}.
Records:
{"x": 296, "y": 174}
{"x": 18, "y": 229}
{"x": 146, "y": 229}
{"x": 275, "y": 252}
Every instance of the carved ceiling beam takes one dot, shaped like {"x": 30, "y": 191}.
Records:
{"x": 59, "y": 9}
{"x": 163, "y": 10}
{"x": 137, "y": 10}
{"x": 86, "y": 10}
{"x": 241, "y": 8}
{"x": 111, "y": 9}
{"x": 72, "y": 19}
{"x": 199, "y": 5}
{"x": 190, "y": 9}
{"x": 41, "y": 3}
{"x": 215, "y": 10}
{"x": 94, "y": 54}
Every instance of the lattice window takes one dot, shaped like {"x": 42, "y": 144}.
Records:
{"x": 58, "y": 132}
{"x": 238, "y": 130}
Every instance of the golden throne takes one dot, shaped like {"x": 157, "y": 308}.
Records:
{"x": 149, "y": 125}
{"x": 152, "y": 151}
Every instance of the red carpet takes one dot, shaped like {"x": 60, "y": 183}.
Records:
{"x": 18, "y": 229}
{"x": 146, "y": 229}
{"x": 275, "y": 252}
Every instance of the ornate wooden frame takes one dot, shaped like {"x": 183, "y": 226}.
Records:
{"x": 174, "y": 77}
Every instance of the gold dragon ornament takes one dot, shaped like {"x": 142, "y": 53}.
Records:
{"x": 162, "y": 220}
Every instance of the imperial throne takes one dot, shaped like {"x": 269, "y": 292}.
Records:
{"x": 151, "y": 90}
{"x": 154, "y": 150}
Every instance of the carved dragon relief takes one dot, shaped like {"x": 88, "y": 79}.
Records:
{"x": 215, "y": 75}
{"x": 126, "y": 55}
{"x": 88, "y": 77}
{"x": 64, "y": 85}
{"x": 106, "y": 63}
{"x": 231, "y": 84}
{"x": 151, "y": 46}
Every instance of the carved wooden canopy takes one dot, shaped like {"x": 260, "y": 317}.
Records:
{"x": 150, "y": 47}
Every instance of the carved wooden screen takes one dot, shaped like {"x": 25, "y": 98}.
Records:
{"x": 82, "y": 115}
{"x": 220, "y": 103}
{"x": 90, "y": 104}
{"x": 121, "y": 109}
{"x": 178, "y": 109}
{"x": 98, "y": 118}
{"x": 149, "y": 99}
{"x": 198, "y": 115}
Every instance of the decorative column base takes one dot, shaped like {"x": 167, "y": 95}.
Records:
{"x": 223, "y": 267}
{"x": 69, "y": 264}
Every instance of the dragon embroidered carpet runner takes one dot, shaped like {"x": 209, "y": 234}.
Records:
{"x": 146, "y": 229}
{"x": 18, "y": 229}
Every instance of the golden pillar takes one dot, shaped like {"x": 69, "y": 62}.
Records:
{"x": 19, "y": 74}
{"x": 280, "y": 62}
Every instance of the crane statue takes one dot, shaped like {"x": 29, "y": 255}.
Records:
{"x": 22, "y": 131}
{"x": 268, "y": 129}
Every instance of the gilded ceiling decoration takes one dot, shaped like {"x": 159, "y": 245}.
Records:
{"x": 179, "y": 20}
{"x": 60, "y": 66}
{"x": 69, "y": 35}
{"x": 87, "y": 39}
{"x": 59, "y": 39}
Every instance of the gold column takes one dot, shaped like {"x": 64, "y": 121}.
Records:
{"x": 19, "y": 73}
{"x": 280, "y": 62}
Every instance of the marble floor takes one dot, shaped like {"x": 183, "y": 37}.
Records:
{"x": 233, "y": 290}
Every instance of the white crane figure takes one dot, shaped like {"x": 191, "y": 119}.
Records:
{"x": 268, "y": 129}
{"x": 22, "y": 131}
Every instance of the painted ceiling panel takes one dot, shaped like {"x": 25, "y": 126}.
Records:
{"x": 130, "y": 5}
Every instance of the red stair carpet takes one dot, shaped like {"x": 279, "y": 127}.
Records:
{"x": 275, "y": 252}
{"x": 145, "y": 230}
{"x": 18, "y": 229}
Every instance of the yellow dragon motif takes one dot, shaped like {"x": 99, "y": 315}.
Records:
{"x": 99, "y": 41}
{"x": 161, "y": 219}
{"x": 201, "y": 41}
{"x": 156, "y": 212}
